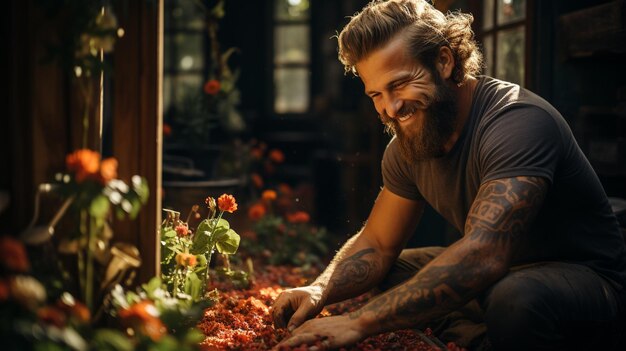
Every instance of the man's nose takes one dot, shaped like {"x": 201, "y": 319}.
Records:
{"x": 392, "y": 106}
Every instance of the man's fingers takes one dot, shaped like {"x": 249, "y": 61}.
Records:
{"x": 298, "y": 318}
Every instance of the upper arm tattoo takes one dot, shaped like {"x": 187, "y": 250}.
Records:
{"x": 505, "y": 208}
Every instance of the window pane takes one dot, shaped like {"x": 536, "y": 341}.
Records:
{"x": 189, "y": 51}
{"x": 510, "y": 56}
{"x": 167, "y": 92}
{"x": 291, "y": 44}
{"x": 292, "y": 90}
{"x": 488, "y": 54}
{"x": 183, "y": 14}
{"x": 185, "y": 85}
{"x": 511, "y": 10}
{"x": 290, "y": 10}
{"x": 167, "y": 52}
{"x": 488, "y": 7}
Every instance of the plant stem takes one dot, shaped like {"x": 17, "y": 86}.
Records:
{"x": 89, "y": 280}
{"x": 210, "y": 252}
{"x": 79, "y": 254}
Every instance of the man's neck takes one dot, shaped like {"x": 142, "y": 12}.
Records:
{"x": 465, "y": 94}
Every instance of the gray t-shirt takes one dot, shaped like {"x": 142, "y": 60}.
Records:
{"x": 512, "y": 132}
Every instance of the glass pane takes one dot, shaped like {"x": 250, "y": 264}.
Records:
{"x": 184, "y": 14}
{"x": 186, "y": 85}
{"x": 511, "y": 11}
{"x": 510, "y": 55}
{"x": 291, "y": 10}
{"x": 167, "y": 93}
{"x": 291, "y": 44}
{"x": 167, "y": 52}
{"x": 292, "y": 90}
{"x": 189, "y": 51}
{"x": 488, "y": 54}
{"x": 488, "y": 7}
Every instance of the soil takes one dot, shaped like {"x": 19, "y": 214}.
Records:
{"x": 241, "y": 320}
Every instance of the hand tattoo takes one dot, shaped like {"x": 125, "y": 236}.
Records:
{"x": 354, "y": 270}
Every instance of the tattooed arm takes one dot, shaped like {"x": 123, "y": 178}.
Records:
{"x": 500, "y": 216}
{"x": 359, "y": 265}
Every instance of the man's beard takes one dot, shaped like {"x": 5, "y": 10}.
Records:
{"x": 427, "y": 141}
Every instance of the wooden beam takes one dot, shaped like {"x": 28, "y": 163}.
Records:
{"x": 137, "y": 121}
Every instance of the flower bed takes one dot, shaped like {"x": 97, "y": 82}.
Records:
{"x": 241, "y": 320}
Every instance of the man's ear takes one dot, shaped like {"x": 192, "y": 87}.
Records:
{"x": 445, "y": 62}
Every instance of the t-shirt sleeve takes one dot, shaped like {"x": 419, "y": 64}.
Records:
{"x": 522, "y": 140}
{"x": 396, "y": 173}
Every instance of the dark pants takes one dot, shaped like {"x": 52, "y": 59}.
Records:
{"x": 544, "y": 306}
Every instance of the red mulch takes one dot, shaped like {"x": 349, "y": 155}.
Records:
{"x": 241, "y": 319}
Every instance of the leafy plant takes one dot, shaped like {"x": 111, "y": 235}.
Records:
{"x": 187, "y": 253}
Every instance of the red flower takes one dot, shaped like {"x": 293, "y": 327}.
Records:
{"x": 277, "y": 156}
{"x": 84, "y": 163}
{"x": 212, "y": 87}
{"x": 227, "y": 203}
{"x": 256, "y": 153}
{"x": 108, "y": 170}
{"x": 256, "y": 212}
{"x": 298, "y": 217}
{"x": 182, "y": 230}
{"x": 52, "y": 316}
{"x": 143, "y": 316}
{"x": 4, "y": 291}
{"x": 167, "y": 130}
{"x": 13, "y": 255}
{"x": 257, "y": 180}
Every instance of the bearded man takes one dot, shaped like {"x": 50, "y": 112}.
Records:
{"x": 541, "y": 259}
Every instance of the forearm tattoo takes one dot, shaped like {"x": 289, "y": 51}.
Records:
{"x": 354, "y": 271}
{"x": 503, "y": 210}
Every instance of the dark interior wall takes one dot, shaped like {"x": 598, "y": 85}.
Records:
{"x": 593, "y": 82}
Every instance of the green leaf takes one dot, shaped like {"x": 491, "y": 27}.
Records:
{"x": 228, "y": 242}
{"x": 109, "y": 339}
{"x": 194, "y": 336}
{"x": 201, "y": 243}
{"x": 193, "y": 286}
{"x": 169, "y": 234}
{"x": 152, "y": 285}
{"x": 99, "y": 207}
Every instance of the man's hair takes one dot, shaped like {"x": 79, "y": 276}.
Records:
{"x": 426, "y": 30}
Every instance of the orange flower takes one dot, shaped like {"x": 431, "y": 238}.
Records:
{"x": 298, "y": 217}
{"x": 186, "y": 260}
{"x": 182, "y": 230}
{"x": 84, "y": 163}
{"x": 227, "y": 203}
{"x": 269, "y": 195}
{"x": 143, "y": 317}
{"x": 277, "y": 156}
{"x": 212, "y": 87}
{"x": 167, "y": 130}
{"x": 74, "y": 309}
{"x": 13, "y": 255}
{"x": 257, "y": 180}
{"x": 108, "y": 170}
{"x": 256, "y": 212}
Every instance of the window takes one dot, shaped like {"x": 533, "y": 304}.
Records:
{"x": 291, "y": 56}
{"x": 184, "y": 47}
{"x": 504, "y": 39}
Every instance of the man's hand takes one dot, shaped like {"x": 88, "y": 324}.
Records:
{"x": 329, "y": 333}
{"x": 294, "y": 306}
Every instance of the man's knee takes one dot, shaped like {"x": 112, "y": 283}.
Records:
{"x": 517, "y": 311}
